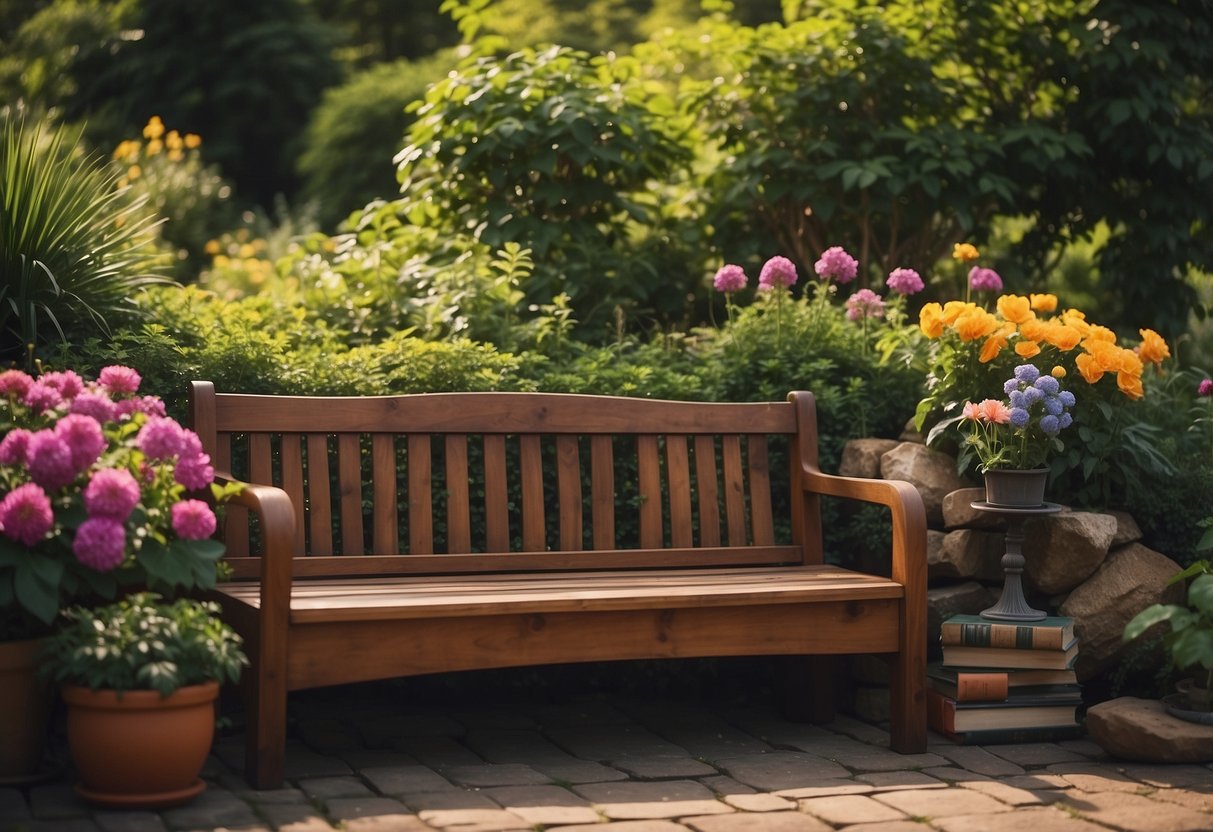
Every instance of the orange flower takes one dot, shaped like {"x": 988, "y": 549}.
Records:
{"x": 1074, "y": 318}
{"x": 1058, "y": 372}
{"x": 1107, "y": 356}
{"x": 930, "y": 320}
{"x": 1089, "y": 368}
{"x": 1095, "y": 332}
{"x": 1015, "y": 308}
{"x": 996, "y": 343}
{"x": 1043, "y": 303}
{"x": 1062, "y": 336}
{"x": 1035, "y": 329}
{"x": 964, "y": 252}
{"x": 1153, "y": 348}
{"x": 1130, "y": 385}
{"x": 975, "y": 323}
{"x": 1027, "y": 349}
{"x": 953, "y": 309}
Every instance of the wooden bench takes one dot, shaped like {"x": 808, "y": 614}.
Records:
{"x": 400, "y": 535}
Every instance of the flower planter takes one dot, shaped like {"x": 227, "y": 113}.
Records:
{"x": 138, "y": 749}
{"x": 1015, "y": 488}
{"x": 25, "y": 708}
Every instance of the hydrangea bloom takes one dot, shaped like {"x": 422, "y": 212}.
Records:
{"x": 730, "y": 278}
{"x": 835, "y": 264}
{"x": 15, "y": 383}
{"x": 49, "y": 460}
{"x": 42, "y": 397}
{"x": 864, "y": 304}
{"x": 26, "y": 515}
{"x": 1205, "y": 388}
{"x": 67, "y": 383}
{"x": 984, "y": 280}
{"x": 113, "y": 493}
{"x": 83, "y": 437}
{"x": 1047, "y": 385}
{"x": 13, "y": 446}
{"x": 193, "y": 520}
{"x": 904, "y": 281}
{"x": 119, "y": 379}
{"x": 778, "y": 271}
{"x": 100, "y": 543}
{"x": 160, "y": 438}
{"x": 194, "y": 472}
{"x": 96, "y": 405}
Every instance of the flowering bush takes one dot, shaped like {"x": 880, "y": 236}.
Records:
{"x": 1021, "y": 431}
{"x": 93, "y": 494}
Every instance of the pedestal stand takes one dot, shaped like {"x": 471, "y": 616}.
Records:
{"x": 1012, "y": 606}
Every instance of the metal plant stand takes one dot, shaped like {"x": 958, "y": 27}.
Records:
{"x": 1012, "y": 606}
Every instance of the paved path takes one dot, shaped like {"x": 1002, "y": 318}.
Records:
{"x": 365, "y": 759}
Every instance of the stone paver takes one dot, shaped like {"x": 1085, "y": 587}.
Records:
{"x": 1023, "y": 820}
{"x": 1036, "y": 754}
{"x": 495, "y": 774}
{"x": 1010, "y": 795}
{"x": 781, "y": 770}
{"x": 547, "y": 805}
{"x": 935, "y": 803}
{"x": 287, "y": 817}
{"x": 1088, "y": 777}
{"x": 347, "y": 808}
{"x": 326, "y": 788}
{"x": 624, "y": 826}
{"x": 759, "y": 802}
{"x": 131, "y": 821}
{"x": 13, "y": 806}
{"x": 775, "y": 822}
{"x": 394, "y": 780}
{"x": 846, "y": 809}
{"x": 214, "y": 807}
{"x": 885, "y": 781}
{"x": 1135, "y": 813}
{"x": 662, "y": 768}
{"x": 978, "y": 760}
{"x": 651, "y": 800}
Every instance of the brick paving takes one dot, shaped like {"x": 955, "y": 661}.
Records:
{"x": 369, "y": 759}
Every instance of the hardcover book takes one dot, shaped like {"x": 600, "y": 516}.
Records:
{"x": 983, "y": 685}
{"x": 974, "y": 631}
{"x": 951, "y": 717}
{"x": 998, "y": 736}
{"x": 1009, "y": 657}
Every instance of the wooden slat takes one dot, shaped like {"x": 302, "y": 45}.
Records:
{"x": 496, "y": 495}
{"x": 349, "y": 481}
{"x": 458, "y": 504}
{"x": 384, "y": 519}
{"x": 291, "y": 450}
{"x": 734, "y": 490}
{"x": 760, "y": 490}
{"x": 533, "y": 523}
{"x": 421, "y": 505}
{"x": 648, "y": 466}
{"x": 261, "y": 465}
{"x": 602, "y": 492}
{"x": 708, "y": 489}
{"x": 678, "y": 472}
{"x": 320, "y": 510}
{"x": 235, "y": 527}
{"x": 568, "y": 485}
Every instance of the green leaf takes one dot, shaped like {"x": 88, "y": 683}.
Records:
{"x": 1151, "y": 615}
{"x": 37, "y": 591}
{"x": 1200, "y": 595}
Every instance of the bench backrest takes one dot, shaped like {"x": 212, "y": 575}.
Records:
{"x": 460, "y": 482}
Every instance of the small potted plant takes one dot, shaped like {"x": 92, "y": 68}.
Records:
{"x": 1190, "y": 641}
{"x": 140, "y": 678}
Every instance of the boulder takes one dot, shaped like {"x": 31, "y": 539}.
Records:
{"x": 945, "y": 601}
{"x": 1063, "y": 550}
{"x": 1130, "y": 579}
{"x": 931, "y": 472}
{"x": 958, "y": 511}
{"x": 1141, "y": 729}
{"x": 967, "y": 553}
{"x": 861, "y": 457}
{"x": 1127, "y": 530}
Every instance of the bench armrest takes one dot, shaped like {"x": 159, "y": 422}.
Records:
{"x": 276, "y": 514}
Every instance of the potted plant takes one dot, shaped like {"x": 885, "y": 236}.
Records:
{"x": 140, "y": 679}
{"x": 1190, "y": 641}
{"x": 95, "y": 485}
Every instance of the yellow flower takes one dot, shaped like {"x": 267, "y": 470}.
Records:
{"x": 1034, "y": 329}
{"x": 1043, "y": 303}
{"x": 175, "y": 155}
{"x": 173, "y": 140}
{"x": 127, "y": 150}
{"x": 154, "y": 147}
{"x": 1107, "y": 356}
{"x": 212, "y": 247}
{"x": 1089, "y": 368}
{"x": 1062, "y": 336}
{"x": 1058, "y": 372}
{"x": 154, "y": 128}
{"x": 996, "y": 343}
{"x": 192, "y": 141}
{"x": 1096, "y": 332}
{"x": 953, "y": 309}
{"x": 1130, "y": 385}
{"x": 1077, "y": 320}
{"x": 247, "y": 250}
{"x": 1153, "y": 348}
{"x": 930, "y": 320}
{"x": 964, "y": 252}
{"x": 1015, "y": 308}
{"x": 1027, "y": 349}
{"x": 974, "y": 324}
{"x": 134, "y": 172}
{"x": 1129, "y": 363}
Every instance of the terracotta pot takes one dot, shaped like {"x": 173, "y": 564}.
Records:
{"x": 1015, "y": 488}
{"x": 138, "y": 749}
{"x": 25, "y": 710}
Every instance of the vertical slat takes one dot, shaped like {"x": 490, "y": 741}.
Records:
{"x": 421, "y": 504}
{"x": 384, "y": 522}
{"x": 648, "y": 465}
{"x": 678, "y": 471}
{"x": 496, "y": 496}
{"x": 532, "y": 494}
{"x": 734, "y": 490}
{"x": 760, "y": 491}
{"x": 292, "y": 483}
{"x": 260, "y": 459}
{"x": 602, "y": 491}
{"x": 320, "y": 513}
{"x": 568, "y": 484}
{"x": 235, "y": 527}
{"x": 709, "y": 491}
{"x": 349, "y": 483}
{"x": 458, "y": 505}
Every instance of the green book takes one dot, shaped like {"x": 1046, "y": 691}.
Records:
{"x": 1052, "y": 633}
{"x": 1008, "y": 658}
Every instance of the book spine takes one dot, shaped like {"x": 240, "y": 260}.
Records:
{"x": 1016, "y": 636}
{"x": 982, "y": 687}
{"x": 941, "y": 714}
{"x": 997, "y": 736}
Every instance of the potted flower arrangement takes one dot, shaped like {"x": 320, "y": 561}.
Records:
{"x": 95, "y": 485}
{"x": 140, "y": 680}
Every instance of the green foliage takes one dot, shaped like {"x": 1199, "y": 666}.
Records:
{"x": 73, "y": 249}
{"x": 139, "y": 643}
{"x": 1190, "y": 640}
{"x": 386, "y": 30}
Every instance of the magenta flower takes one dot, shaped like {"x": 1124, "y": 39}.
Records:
{"x": 193, "y": 520}
{"x": 100, "y": 543}
{"x": 117, "y": 379}
{"x": 835, "y": 264}
{"x": 96, "y": 405}
{"x": 26, "y": 515}
{"x": 864, "y": 304}
{"x": 984, "y": 280}
{"x": 1205, "y": 388}
{"x": 778, "y": 271}
{"x": 67, "y": 383}
{"x": 194, "y": 472}
{"x": 83, "y": 437}
{"x": 49, "y": 459}
{"x": 904, "y": 281}
{"x": 113, "y": 493}
{"x": 161, "y": 438}
{"x": 730, "y": 278}
{"x": 151, "y": 405}
{"x": 42, "y": 397}
{"x": 13, "y": 447}
{"x": 15, "y": 384}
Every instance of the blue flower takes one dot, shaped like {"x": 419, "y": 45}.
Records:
{"x": 1053, "y": 406}
{"x": 1032, "y": 395}
{"x": 1064, "y": 421}
{"x": 1019, "y": 417}
{"x": 1051, "y": 425}
{"x": 1017, "y": 399}
{"x": 1010, "y": 386}
{"x": 1047, "y": 384}
{"x": 1067, "y": 398}
{"x": 1027, "y": 373}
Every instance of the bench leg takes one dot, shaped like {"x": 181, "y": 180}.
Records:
{"x": 265, "y": 709}
{"x": 907, "y": 700}
{"x": 808, "y": 688}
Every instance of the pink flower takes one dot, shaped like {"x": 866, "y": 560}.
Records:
{"x": 125, "y": 408}
{"x": 161, "y": 438}
{"x": 83, "y": 437}
{"x": 992, "y": 410}
{"x": 193, "y": 520}
{"x": 26, "y": 515}
{"x": 1205, "y": 388}
{"x": 113, "y": 493}
{"x": 835, "y": 264}
{"x": 864, "y": 304}
{"x": 100, "y": 543}
{"x": 778, "y": 271}
{"x": 42, "y": 397}
{"x": 13, "y": 447}
{"x": 49, "y": 459}
{"x": 67, "y": 383}
{"x": 15, "y": 384}
{"x": 96, "y": 405}
{"x": 970, "y": 411}
{"x": 984, "y": 280}
{"x": 194, "y": 472}
{"x": 118, "y": 379}
{"x": 904, "y": 281}
{"x": 730, "y": 278}
{"x": 151, "y": 405}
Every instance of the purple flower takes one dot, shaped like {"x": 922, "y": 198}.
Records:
{"x": 730, "y": 278}
{"x": 1032, "y": 395}
{"x": 15, "y": 383}
{"x": 83, "y": 437}
{"x": 26, "y": 515}
{"x": 96, "y": 405}
{"x": 117, "y": 379}
{"x": 1050, "y": 425}
{"x": 1064, "y": 421}
{"x": 864, "y": 304}
{"x": 151, "y": 405}
{"x": 113, "y": 493}
{"x": 1066, "y": 398}
{"x": 161, "y": 438}
{"x": 100, "y": 543}
{"x": 1205, "y": 388}
{"x": 67, "y": 383}
{"x": 49, "y": 459}
{"x": 13, "y": 447}
{"x": 1010, "y": 386}
{"x": 904, "y": 281}
{"x": 42, "y": 397}
{"x": 835, "y": 264}
{"x": 1053, "y": 406}
{"x": 778, "y": 271}
{"x": 1047, "y": 385}
{"x": 194, "y": 472}
{"x": 1027, "y": 373}
{"x": 193, "y": 520}
{"x": 1019, "y": 417}
{"x": 984, "y": 280}
{"x": 1018, "y": 400}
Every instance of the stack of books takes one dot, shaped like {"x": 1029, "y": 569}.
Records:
{"x": 1005, "y": 681}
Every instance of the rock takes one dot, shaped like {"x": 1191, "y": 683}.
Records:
{"x": 861, "y": 457}
{"x": 870, "y": 704}
{"x": 958, "y": 511}
{"x": 1130, "y": 579}
{"x": 1141, "y": 729}
{"x": 945, "y": 601}
{"x": 931, "y": 472}
{"x": 911, "y": 434}
{"x": 935, "y": 539}
{"x": 967, "y": 553}
{"x": 867, "y": 669}
{"x": 1127, "y": 530}
{"x": 1062, "y": 551}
